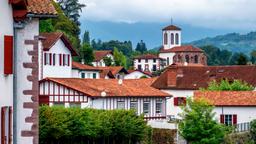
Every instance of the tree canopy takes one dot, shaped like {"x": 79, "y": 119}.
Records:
{"x": 86, "y": 54}
{"x": 119, "y": 58}
{"x": 141, "y": 47}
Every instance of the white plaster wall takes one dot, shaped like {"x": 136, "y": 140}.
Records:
{"x": 134, "y": 75}
{"x": 244, "y": 114}
{"x": 150, "y": 64}
{"x": 6, "y": 28}
{"x": 57, "y": 70}
{"x": 169, "y": 45}
{"x": 101, "y": 63}
{"x": 78, "y": 73}
{"x": 170, "y": 108}
{"x": 75, "y": 73}
{"x": 31, "y": 29}
{"x": 167, "y": 55}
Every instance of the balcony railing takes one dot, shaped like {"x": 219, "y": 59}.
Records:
{"x": 242, "y": 127}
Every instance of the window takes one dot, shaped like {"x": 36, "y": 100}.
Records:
{"x": 75, "y": 105}
{"x": 61, "y": 104}
{"x": 146, "y": 67}
{"x": 60, "y": 59}
{"x": 154, "y": 67}
{"x": 8, "y": 54}
{"x": 228, "y": 119}
{"x": 47, "y": 59}
{"x": 53, "y": 59}
{"x": 94, "y": 75}
{"x": 196, "y": 59}
{"x": 154, "y": 60}
{"x": 146, "y": 107}
{"x": 146, "y": 60}
{"x": 167, "y": 61}
{"x": 179, "y": 101}
{"x": 6, "y": 124}
{"x": 172, "y": 38}
{"x": 176, "y": 39}
{"x": 139, "y": 67}
{"x": 66, "y": 59}
{"x": 82, "y": 75}
{"x": 165, "y": 38}
{"x": 159, "y": 104}
{"x": 187, "y": 58}
{"x": 120, "y": 105}
{"x": 134, "y": 105}
{"x": 139, "y": 60}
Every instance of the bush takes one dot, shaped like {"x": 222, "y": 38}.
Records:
{"x": 253, "y": 130}
{"x": 78, "y": 126}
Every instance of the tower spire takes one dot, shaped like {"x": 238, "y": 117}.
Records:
{"x": 171, "y": 21}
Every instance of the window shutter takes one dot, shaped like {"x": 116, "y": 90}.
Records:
{"x": 222, "y": 118}
{"x": 8, "y": 54}
{"x": 64, "y": 57}
{"x": 234, "y": 119}
{"x": 45, "y": 58}
{"x": 184, "y": 101}
{"x": 50, "y": 55}
{"x": 53, "y": 59}
{"x": 3, "y": 127}
{"x": 60, "y": 57}
{"x": 68, "y": 59}
{"x": 175, "y": 101}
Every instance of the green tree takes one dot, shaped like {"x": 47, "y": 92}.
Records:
{"x": 226, "y": 85}
{"x": 108, "y": 61}
{"x": 198, "y": 125}
{"x": 119, "y": 58}
{"x": 86, "y": 54}
{"x": 253, "y": 130}
{"x": 253, "y": 56}
{"x": 239, "y": 59}
{"x": 72, "y": 9}
{"x": 86, "y": 37}
{"x": 141, "y": 47}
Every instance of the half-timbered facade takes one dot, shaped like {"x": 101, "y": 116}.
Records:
{"x": 106, "y": 94}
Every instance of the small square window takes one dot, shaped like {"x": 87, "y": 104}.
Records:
{"x": 154, "y": 67}
{"x": 146, "y": 107}
{"x": 94, "y": 75}
{"x": 159, "y": 104}
{"x": 120, "y": 105}
{"x": 139, "y": 67}
{"x": 139, "y": 60}
{"x": 154, "y": 60}
{"x": 146, "y": 60}
{"x": 82, "y": 75}
{"x": 134, "y": 105}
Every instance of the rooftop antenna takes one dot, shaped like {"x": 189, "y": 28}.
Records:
{"x": 171, "y": 21}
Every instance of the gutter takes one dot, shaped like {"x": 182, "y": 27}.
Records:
{"x": 42, "y": 15}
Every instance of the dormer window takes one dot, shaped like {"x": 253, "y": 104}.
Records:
{"x": 47, "y": 59}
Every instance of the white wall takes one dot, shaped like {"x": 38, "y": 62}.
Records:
{"x": 244, "y": 114}
{"x": 150, "y": 64}
{"x": 101, "y": 63}
{"x": 170, "y": 108}
{"x": 6, "y": 28}
{"x": 167, "y": 55}
{"x": 88, "y": 74}
{"x": 57, "y": 70}
{"x": 135, "y": 75}
{"x": 169, "y": 45}
{"x": 31, "y": 29}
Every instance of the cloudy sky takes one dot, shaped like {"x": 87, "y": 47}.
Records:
{"x": 215, "y": 16}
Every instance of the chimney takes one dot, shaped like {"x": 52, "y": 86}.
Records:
{"x": 82, "y": 61}
{"x": 120, "y": 81}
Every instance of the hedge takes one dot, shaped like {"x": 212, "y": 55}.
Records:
{"x": 59, "y": 125}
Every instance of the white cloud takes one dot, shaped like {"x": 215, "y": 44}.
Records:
{"x": 204, "y": 13}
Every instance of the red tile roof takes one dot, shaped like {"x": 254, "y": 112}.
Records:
{"x": 147, "y": 56}
{"x": 228, "y": 98}
{"x": 77, "y": 65}
{"x": 41, "y": 7}
{"x": 53, "y": 37}
{"x": 172, "y": 27}
{"x": 195, "y": 77}
{"x": 99, "y": 55}
{"x": 184, "y": 48}
{"x": 94, "y": 87}
{"x": 114, "y": 69}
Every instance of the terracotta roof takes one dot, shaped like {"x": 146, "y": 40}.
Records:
{"x": 172, "y": 27}
{"x": 106, "y": 72}
{"x": 41, "y": 7}
{"x": 77, "y": 65}
{"x": 53, "y": 37}
{"x": 99, "y": 55}
{"x": 228, "y": 98}
{"x": 94, "y": 87}
{"x": 147, "y": 56}
{"x": 184, "y": 48}
{"x": 114, "y": 69}
{"x": 195, "y": 77}
{"x": 187, "y": 64}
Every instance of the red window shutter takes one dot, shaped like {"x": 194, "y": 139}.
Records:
{"x": 3, "y": 127}
{"x": 8, "y": 54}
{"x": 60, "y": 56}
{"x": 44, "y": 100}
{"x": 234, "y": 119}
{"x": 184, "y": 101}
{"x": 175, "y": 101}
{"x": 10, "y": 125}
{"x": 45, "y": 58}
{"x": 222, "y": 118}
{"x": 50, "y": 55}
{"x": 68, "y": 59}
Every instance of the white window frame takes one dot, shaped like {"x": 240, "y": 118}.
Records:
{"x": 159, "y": 106}
{"x": 47, "y": 58}
{"x": 120, "y": 104}
{"x": 228, "y": 119}
{"x": 134, "y": 105}
{"x": 146, "y": 111}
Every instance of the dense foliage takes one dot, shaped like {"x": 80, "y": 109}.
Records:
{"x": 79, "y": 126}
{"x": 226, "y": 85}
{"x": 86, "y": 54}
{"x": 141, "y": 47}
{"x": 119, "y": 58}
{"x": 198, "y": 125}
{"x": 253, "y": 130}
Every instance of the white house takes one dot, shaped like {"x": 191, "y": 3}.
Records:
{"x": 99, "y": 57}
{"x": 110, "y": 72}
{"x": 148, "y": 62}
{"x": 105, "y": 94}
{"x": 182, "y": 81}
{"x": 136, "y": 74}
{"x": 55, "y": 56}
{"x": 85, "y": 71}
{"x": 231, "y": 107}
{"x": 173, "y": 52}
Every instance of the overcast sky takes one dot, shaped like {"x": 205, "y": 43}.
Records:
{"x": 233, "y": 14}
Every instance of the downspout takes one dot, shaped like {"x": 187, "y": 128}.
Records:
{"x": 16, "y": 26}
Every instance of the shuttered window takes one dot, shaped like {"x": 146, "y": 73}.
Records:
{"x": 6, "y": 125}
{"x": 8, "y": 55}
{"x": 179, "y": 101}
{"x": 228, "y": 119}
